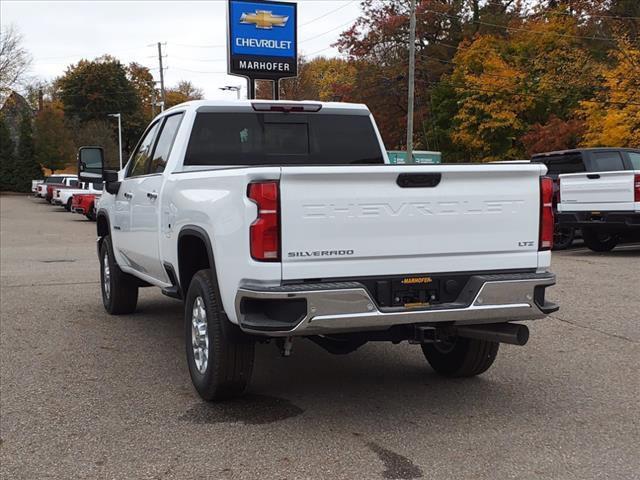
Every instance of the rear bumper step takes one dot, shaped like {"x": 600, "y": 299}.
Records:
{"x": 603, "y": 220}
{"x": 329, "y": 308}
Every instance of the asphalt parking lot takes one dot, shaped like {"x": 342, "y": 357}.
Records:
{"x": 86, "y": 395}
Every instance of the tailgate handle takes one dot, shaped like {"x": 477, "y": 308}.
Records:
{"x": 593, "y": 176}
{"x": 418, "y": 180}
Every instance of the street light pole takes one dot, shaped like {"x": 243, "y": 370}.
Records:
{"x": 119, "y": 117}
{"x": 412, "y": 73}
{"x": 234, "y": 88}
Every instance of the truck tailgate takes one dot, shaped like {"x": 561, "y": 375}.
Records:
{"x": 394, "y": 220}
{"x": 603, "y": 191}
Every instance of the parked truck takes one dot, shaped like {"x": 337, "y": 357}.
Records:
{"x": 42, "y": 189}
{"x": 604, "y": 205}
{"x": 274, "y": 221}
{"x": 582, "y": 161}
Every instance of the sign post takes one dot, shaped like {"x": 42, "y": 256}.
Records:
{"x": 263, "y": 41}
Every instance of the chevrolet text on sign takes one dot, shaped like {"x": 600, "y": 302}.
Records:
{"x": 262, "y": 39}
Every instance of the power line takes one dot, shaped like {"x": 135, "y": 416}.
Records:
{"x": 198, "y": 59}
{"x": 554, "y": 12}
{"x": 512, "y": 93}
{"x": 199, "y": 71}
{"x": 328, "y": 31}
{"x": 328, "y": 13}
{"x": 518, "y": 29}
{"x": 199, "y": 46}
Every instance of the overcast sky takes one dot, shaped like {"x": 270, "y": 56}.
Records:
{"x": 58, "y": 34}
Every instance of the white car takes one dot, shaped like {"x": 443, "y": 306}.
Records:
{"x": 64, "y": 196}
{"x": 283, "y": 220}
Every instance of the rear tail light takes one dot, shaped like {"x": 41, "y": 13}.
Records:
{"x": 636, "y": 188}
{"x": 546, "y": 214}
{"x": 264, "y": 234}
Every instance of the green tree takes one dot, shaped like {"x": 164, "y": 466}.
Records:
{"x": 99, "y": 133}
{"x": 91, "y": 90}
{"x": 54, "y": 144}
{"x": 7, "y": 157}
{"x": 27, "y": 167}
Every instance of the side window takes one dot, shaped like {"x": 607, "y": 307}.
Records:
{"x": 564, "y": 164}
{"x": 165, "y": 142}
{"x": 635, "y": 160}
{"x": 141, "y": 156}
{"x": 73, "y": 183}
{"x": 606, "y": 162}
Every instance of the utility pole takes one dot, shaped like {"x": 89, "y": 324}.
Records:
{"x": 412, "y": 73}
{"x": 161, "y": 76}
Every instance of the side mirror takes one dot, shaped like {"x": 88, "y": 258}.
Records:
{"x": 90, "y": 164}
{"x": 111, "y": 183}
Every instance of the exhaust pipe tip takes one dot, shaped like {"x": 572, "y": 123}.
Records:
{"x": 522, "y": 335}
{"x": 511, "y": 333}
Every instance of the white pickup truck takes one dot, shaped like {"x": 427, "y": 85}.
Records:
{"x": 605, "y": 205}
{"x": 276, "y": 220}
{"x": 64, "y": 196}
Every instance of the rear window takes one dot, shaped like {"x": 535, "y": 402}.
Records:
{"x": 559, "y": 164}
{"x": 606, "y": 162}
{"x": 53, "y": 179}
{"x": 635, "y": 160}
{"x": 277, "y": 139}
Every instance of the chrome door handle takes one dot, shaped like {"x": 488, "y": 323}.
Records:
{"x": 152, "y": 195}
{"x": 128, "y": 195}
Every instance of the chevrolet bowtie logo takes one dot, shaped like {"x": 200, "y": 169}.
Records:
{"x": 264, "y": 19}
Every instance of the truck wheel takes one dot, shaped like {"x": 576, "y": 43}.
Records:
{"x": 599, "y": 241}
{"x": 219, "y": 355}
{"x": 462, "y": 357}
{"x": 91, "y": 215}
{"x": 119, "y": 289}
{"x": 563, "y": 238}
{"x": 68, "y": 206}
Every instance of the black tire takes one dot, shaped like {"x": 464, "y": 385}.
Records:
{"x": 122, "y": 295}
{"x": 68, "y": 205}
{"x": 563, "y": 237}
{"x": 91, "y": 215}
{"x": 463, "y": 357}
{"x": 230, "y": 352}
{"x": 599, "y": 241}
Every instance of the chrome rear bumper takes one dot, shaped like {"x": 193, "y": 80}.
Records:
{"x": 329, "y": 308}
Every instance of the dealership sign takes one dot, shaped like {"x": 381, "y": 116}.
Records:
{"x": 262, "y": 39}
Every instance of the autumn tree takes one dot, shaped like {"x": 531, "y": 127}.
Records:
{"x": 612, "y": 116}
{"x": 555, "y": 134}
{"x": 135, "y": 123}
{"x": 183, "y": 92}
{"x": 54, "y": 148}
{"x": 489, "y": 120}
